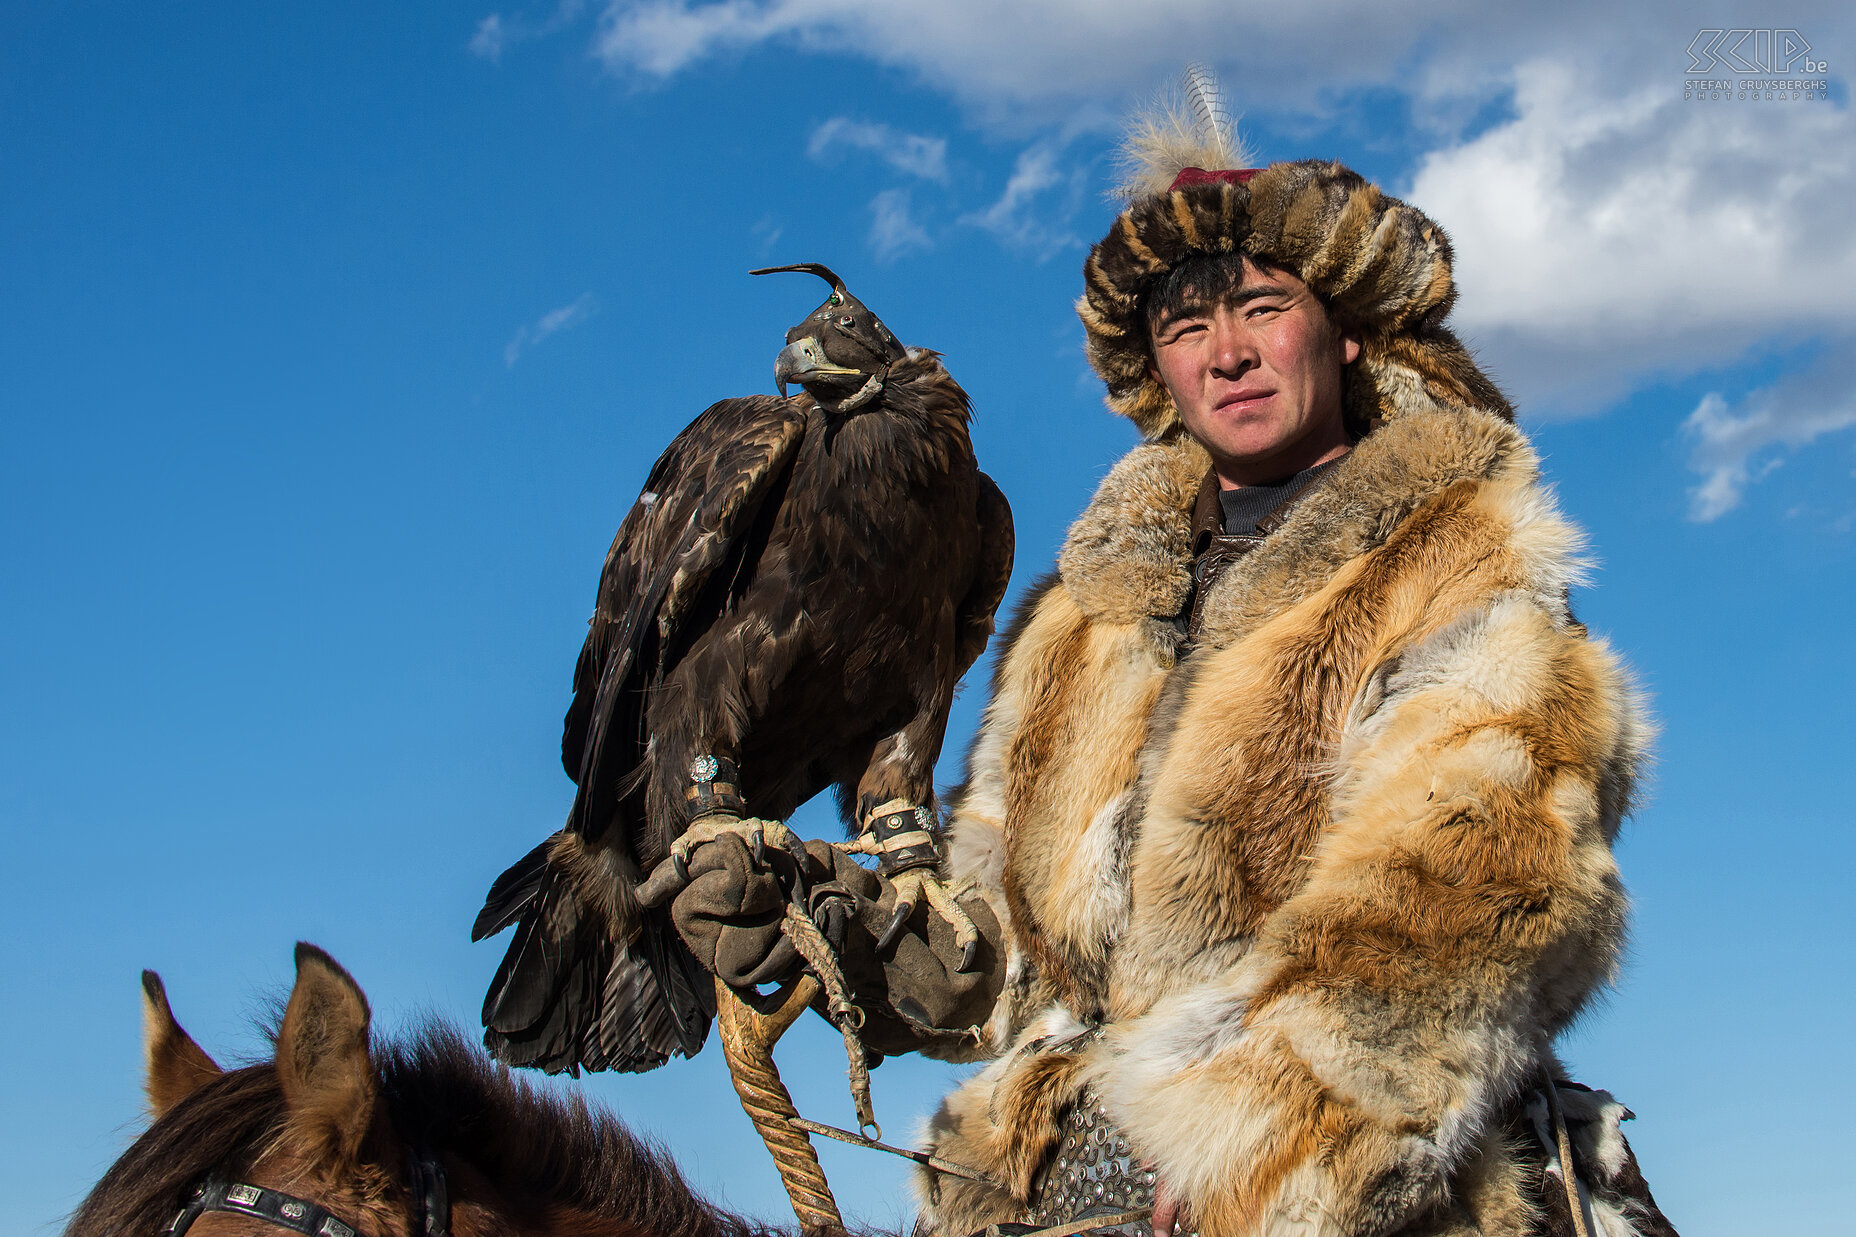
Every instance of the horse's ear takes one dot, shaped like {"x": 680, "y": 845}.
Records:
{"x": 175, "y": 1065}
{"x": 322, "y": 1061}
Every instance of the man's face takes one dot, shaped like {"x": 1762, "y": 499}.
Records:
{"x": 1257, "y": 377}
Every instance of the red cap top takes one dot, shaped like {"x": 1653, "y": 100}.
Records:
{"x": 1199, "y": 176}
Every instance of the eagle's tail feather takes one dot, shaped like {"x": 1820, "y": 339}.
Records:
{"x": 549, "y": 1044}
{"x": 566, "y": 999}
{"x": 546, "y": 950}
{"x": 512, "y": 894}
{"x": 655, "y": 1004}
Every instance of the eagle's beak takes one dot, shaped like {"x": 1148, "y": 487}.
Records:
{"x": 803, "y": 361}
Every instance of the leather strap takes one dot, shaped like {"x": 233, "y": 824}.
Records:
{"x": 426, "y": 1180}
{"x": 299, "y": 1215}
{"x": 431, "y": 1193}
{"x": 898, "y": 833}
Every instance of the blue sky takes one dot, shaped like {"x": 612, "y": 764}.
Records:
{"x": 336, "y": 345}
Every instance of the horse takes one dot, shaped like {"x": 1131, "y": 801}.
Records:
{"x": 339, "y": 1137}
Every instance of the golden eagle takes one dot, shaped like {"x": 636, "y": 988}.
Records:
{"x": 788, "y": 606}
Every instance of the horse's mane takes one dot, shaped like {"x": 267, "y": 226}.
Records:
{"x": 445, "y": 1092}
{"x": 222, "y": 1123}
{"x": 438, "y": 1090}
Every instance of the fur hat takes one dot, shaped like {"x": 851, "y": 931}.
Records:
{"x": 1378, "y": 264}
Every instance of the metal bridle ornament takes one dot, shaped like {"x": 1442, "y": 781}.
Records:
{"x": 431, "y": 1205}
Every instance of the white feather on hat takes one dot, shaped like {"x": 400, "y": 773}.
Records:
{"x": 1185, "y": 127}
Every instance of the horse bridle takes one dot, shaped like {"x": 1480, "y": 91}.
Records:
{"x": 432, "y": 1217}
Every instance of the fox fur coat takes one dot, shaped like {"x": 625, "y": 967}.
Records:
{"x": 1325, "y": 884}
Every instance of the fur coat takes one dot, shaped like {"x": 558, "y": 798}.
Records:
{"x": 1330, "y": 880}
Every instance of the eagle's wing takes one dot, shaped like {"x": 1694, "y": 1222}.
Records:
{"x": 566, "y": 995}
{"x": 994, "y": 573}
{"x": 698, "y": 501}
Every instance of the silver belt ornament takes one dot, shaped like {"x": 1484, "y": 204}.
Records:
{"x": 1093, "y": 1170}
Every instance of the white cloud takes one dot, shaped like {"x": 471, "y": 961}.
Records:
{"x": 1604, "y": 238}
{"x": 1025, "y": 217}
{"x": 487, "y": 42}
{"x": 495, "y": 34}
{"x": 553, "y": 322}
{"x": 913, "y": 153}
{"x": 767, "y": 231}
{"x": 1032, "y": 60}
{"x": 1736, "y": 445}
{"x": 660, "y": 38}
{"x": 893, "y": 230}
{"x": 1032, "y": 63}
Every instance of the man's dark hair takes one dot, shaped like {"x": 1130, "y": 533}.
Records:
{"x": 1203, "y": 281}
{"x": 1200, "y": 282}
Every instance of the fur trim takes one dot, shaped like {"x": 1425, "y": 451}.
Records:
{"x": 1365, "y": 497}
{"x": 1129, "y": 556}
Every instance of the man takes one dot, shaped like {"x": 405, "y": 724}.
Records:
{"x": 1288, "y": 825}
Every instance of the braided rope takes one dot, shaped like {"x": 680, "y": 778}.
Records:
{"x": 747, "y": 1042}
{"x": 816, "y": 950}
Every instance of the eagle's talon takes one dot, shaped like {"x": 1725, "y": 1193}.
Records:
{"x": 894, "y": 931}
{"x": 680, "y": 864}
{"x": 752, "y": 832}
{"x": 921, "y": 884}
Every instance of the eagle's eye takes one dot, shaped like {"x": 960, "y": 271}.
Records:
{"x": 835, "y": 299}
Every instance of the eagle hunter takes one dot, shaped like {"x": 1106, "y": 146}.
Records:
{"x": 788, "y": 606}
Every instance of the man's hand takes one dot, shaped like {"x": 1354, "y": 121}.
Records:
{"x": 729, "y": 914}
{"x": 930, "y": 988}
{"x": 1170, "y": 1213}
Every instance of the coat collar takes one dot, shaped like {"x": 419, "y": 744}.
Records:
{"x": 1129, "y": 556}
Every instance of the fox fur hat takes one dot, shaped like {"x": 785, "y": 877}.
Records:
{"x": 1381, "y": 266}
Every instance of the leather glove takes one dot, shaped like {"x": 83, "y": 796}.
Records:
{"x": 729, "y": 914}
{"x": 914, "y": 996}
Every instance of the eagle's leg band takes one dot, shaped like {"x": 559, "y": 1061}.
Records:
{"x": 714, "y": 789}
{"x": 900, "y": 834}
{"x": 897, "y": 833}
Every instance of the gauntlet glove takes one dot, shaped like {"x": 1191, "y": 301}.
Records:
{"x": 729, "y": 914}
{"x": 914, "y": 996}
